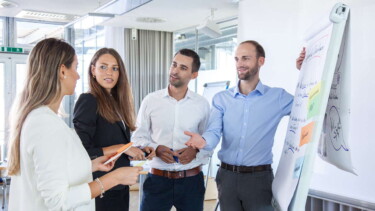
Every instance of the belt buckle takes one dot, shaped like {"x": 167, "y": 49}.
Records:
{"x": 175, "y": 174}
{"x": 169, "y": 175}
{"x": 236, "y": 169}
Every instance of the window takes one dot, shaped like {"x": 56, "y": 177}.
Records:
{"x": 2, "y": 109}
{"x": 1, "y": 31}
{"x": 216, "y": 55}
{"x": 87, "y": 42}
{"x": 30, "y": 32}
{"x": 12, "y": 76}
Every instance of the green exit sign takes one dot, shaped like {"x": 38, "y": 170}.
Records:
{"x": 11, "y": 49}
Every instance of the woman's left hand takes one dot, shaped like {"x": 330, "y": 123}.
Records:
{"x": 98, "y": 164}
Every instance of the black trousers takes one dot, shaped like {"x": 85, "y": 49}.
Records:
{"x": 113, "y": 200}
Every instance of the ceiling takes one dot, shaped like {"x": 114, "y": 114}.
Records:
{"x": 177, "y": 14}
{"x": 56, "y": 6}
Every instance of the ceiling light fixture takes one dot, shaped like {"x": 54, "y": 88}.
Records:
{"x": 8, "y": 4}
{"x": 46, "y": 16}
{"x": 210, "y": 28}
{"x": 150, "y": 20}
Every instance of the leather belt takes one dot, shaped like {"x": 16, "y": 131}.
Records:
{"x": 176, "y": 174}
{"x": 246, "y": 169}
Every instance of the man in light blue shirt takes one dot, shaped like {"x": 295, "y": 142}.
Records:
{"x": 246, "y": 116}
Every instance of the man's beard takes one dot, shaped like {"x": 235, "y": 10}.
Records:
{"x": 177, "y": 83}
{"x": 250, "y": 74}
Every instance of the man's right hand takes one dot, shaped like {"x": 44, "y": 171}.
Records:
{"x": 196, "y": 141}
{"x": 165, "y": 154}
{"x": 300, "y": 59}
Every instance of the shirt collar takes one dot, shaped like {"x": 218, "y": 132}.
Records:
{"x": 189, "y": 94}
{"x": 259, "y": 88}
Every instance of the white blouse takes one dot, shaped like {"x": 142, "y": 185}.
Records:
{"x": 55, "y": 167}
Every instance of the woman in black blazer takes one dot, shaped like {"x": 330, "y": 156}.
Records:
{"x": 103, "y": 119}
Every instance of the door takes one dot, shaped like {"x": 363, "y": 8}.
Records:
{"x": 12, "y": 76}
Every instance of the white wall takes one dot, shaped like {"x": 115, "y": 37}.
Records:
{"x": 279, "y": 27}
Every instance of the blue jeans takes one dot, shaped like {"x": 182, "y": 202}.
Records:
{"x": 161, "y": 193}
{"x": 244, "y": 191}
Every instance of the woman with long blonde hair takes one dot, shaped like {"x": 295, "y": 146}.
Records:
{"x": 49, "y": 166}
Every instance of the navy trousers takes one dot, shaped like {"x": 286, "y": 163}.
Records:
{"x": 244, "y": 191}
{"x": 161, "y": 193}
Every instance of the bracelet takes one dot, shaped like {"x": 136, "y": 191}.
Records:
{"x": 102, "y": 191}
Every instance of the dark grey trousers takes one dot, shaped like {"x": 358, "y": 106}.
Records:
{"x": 244, "y": 191}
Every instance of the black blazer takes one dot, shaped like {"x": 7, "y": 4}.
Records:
{"x": 96, "y": 132}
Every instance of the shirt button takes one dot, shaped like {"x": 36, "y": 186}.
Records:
{"x": 242, "y": 136}
{"x": 244, "y": 123}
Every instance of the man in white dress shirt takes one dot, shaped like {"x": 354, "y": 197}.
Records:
{"x": 175, "y": 178}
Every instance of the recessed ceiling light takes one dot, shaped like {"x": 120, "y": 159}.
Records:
{"x": 8, "y": 4}
{"x": 46, "y": 16}
{"x": 150, "y": 20}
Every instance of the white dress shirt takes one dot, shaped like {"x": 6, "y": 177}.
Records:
{"x": 55, "y": 168}
{"x": 162, "y": 120}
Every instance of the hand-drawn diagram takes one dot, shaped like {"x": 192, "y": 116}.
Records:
{"x": 335, "y": 129}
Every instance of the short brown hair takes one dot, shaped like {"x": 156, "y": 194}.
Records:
{"x": 258, "y": 47}
{"x": 192, "y": 54}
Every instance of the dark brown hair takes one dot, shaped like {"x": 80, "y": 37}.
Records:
{"x": 192, "y": 54}
{"x": 121, "y": 101}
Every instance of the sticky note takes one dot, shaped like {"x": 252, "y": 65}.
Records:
{"x": 306, "y": 133}
{"x": 298, "y": 167}
{"x": 314, "y": 100}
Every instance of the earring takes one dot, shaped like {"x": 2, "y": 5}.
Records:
{"x": 64, "y": 76}
{"x": 93, "y": 76}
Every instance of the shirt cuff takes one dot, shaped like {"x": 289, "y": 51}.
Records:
{"x": 154, "y": 145}
{"x": 204, "y": 156}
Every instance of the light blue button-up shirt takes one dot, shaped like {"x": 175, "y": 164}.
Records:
{"x": 247, "y": 123}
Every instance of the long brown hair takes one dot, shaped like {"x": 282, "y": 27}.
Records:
{"x": 42, "y": 87}
{"x": 121, "y": 100}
